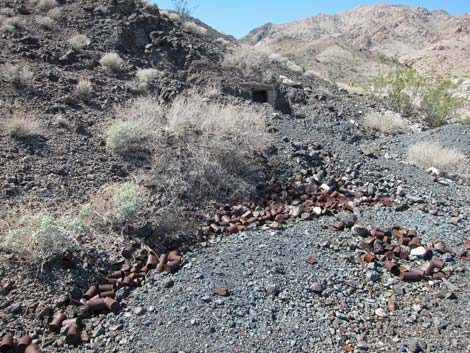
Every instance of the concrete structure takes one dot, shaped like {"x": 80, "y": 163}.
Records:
{"x": 261, "y": 92}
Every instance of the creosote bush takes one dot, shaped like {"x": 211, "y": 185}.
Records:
{"x": 387, "y": 122}
{"x": 124, "y": 138}
{"x": 19, "y": 76}
{"x": 194, "y": 28}
{"x": 112, "y": 62}
{"x": 78, "y": 41}
{"x": 428, "y": 154}
{"x": 21, "y": 126}
{"x": 410, "y": 92}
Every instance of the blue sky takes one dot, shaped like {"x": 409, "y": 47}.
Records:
{"x": 238, "y": 17}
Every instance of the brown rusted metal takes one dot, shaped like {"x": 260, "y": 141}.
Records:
{"x": 338, "y": 226}
{"x": 96, "y": 305}
{"x": 172, "y": 266}
{"x": 438, "y": 263}
{"x": 405, "y": 241}
{"x": 466, "y": 244}
{"x": 152, "y": 261}
{"x": 108, "y": 294}
{"x": 56, "y": 322}
{"x": 127, "y": 252}
{"x": 404, "y": 254}
{"x": 112, "y": 305}
{"x": 311, "y": 260}
{"x": 389, "y": 255}
{"x": 74, "y": 335}
{"x": 414, "y": 243}
{"x": 7, "y": 343}
{"x": 116, "y": 274}
{"x": 411, "y": 277}
{"x": 220, "y": 291}
{"x": 91, "y": 292}
{"x": 33, "y": 348}
{"x": 368, "y": 257}
{"x": 439, "y": 276}
{"x": 23, "y": 342}
{"x": 392, "y": 267}
{"x": 105, "y": 288}
{"x": 74, "y": 321}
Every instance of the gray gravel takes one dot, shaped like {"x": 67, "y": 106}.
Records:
{"x": 280, "y": 303}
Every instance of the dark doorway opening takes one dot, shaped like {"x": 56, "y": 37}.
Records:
{"x": 260, "y": 96}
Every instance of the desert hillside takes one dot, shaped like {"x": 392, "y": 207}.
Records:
{"x": 352, "y": 44}
{"x": 167, "y": 188}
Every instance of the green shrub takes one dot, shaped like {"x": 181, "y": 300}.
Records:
{"x": 42, "y": 237}
{"x": 124, "y": 138}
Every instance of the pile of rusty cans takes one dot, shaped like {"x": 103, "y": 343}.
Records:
{"x": 299, "y": 201}
{"x": 101, "y": 298}
{"x": 21, "y": 345}
{"x": 395, "y": 247}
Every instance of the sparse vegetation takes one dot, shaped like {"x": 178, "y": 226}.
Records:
{"x": 387, "y": 122}
{"x": 112, "y": 62}
{"x": 124, "y": 138}
{"x": 44, "y": 5}
{"x": 145, "y": 77}
{"x": 54, "y": 13}
{"x": 84, "y": 88}
{"x": 182, "y": 7}
{"x": 428, "y": 154}
{"x": 292, "y": 66}
{"x": 194, "y": 28}
{"x": 117, "y": 204}
{"x": 21, "y": 126}
{"x": 11, "y": 24}
{"x": 247, "y": 59}
{"x": 41, "y": 237}
{"x": 410, "y": 92}
{"x": 18, "y": 75}
{"x": 79, "y": 41}
{"x": 45, "y": 22}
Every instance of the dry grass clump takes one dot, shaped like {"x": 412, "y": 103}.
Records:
{"x": 84, "y": 88}
{"x": 117, "y": 204}
{"x": 19, "y": 76}
{"x": 21, "y": 126}
{"x": 292, "y": 66}
{"x": 248, "y": 59}
{"x": 44, "y": 22}
{"x": 124, "y": 138}
{"x": 44, "y": 5}
{"x": 171, "y": 15}
{"x": 428, "y": 154}
{"x": 78, "y": 41}
{"x": 145, "y": 77}
{"x": 194, "y": 28}
{"x": 11, "y": 24}
{"x": 40, "y": 237}
{"x": 112, "y": 62}
{"x": 201, "y": 149}
{"x": 387, "y": 122}
{"x": 55, "y": 13}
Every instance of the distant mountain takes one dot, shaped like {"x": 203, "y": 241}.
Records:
{"x": 354, "y": 44}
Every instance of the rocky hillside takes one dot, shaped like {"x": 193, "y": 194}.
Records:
{"x": 356, "y": 40}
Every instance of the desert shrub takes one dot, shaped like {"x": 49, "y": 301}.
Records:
{"x": 174, "y": 17}
{"x": 194, "y": 28}
{"x": 19, "y": 76}
{"x": 437, "y": 100}
{"x": 248, "y": 59}
{"x": 41, "y": 237}
{"x": 124, "y": 138}
{"x": 54, "y": 13}
{"x": 84, "y": 88}
{"x": 222, "y": 41}
{"x": 182, "y": 7}
{"x": 21, "y": 126}
{"x": 11, "y": 24}
{"x": 292, "y": 66}
{"x": 428, "y": 154}
{"x": 45, "y": 22}
{"x": 78, "y": 41}
{"x": 112, "y": 62}
{"x": 410, "y": 92}
{"x": 117, "y": 204}
{"x": 387, "y": 123}
{"x": 44, "y": 5}
{"x": 145, "y": 77}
